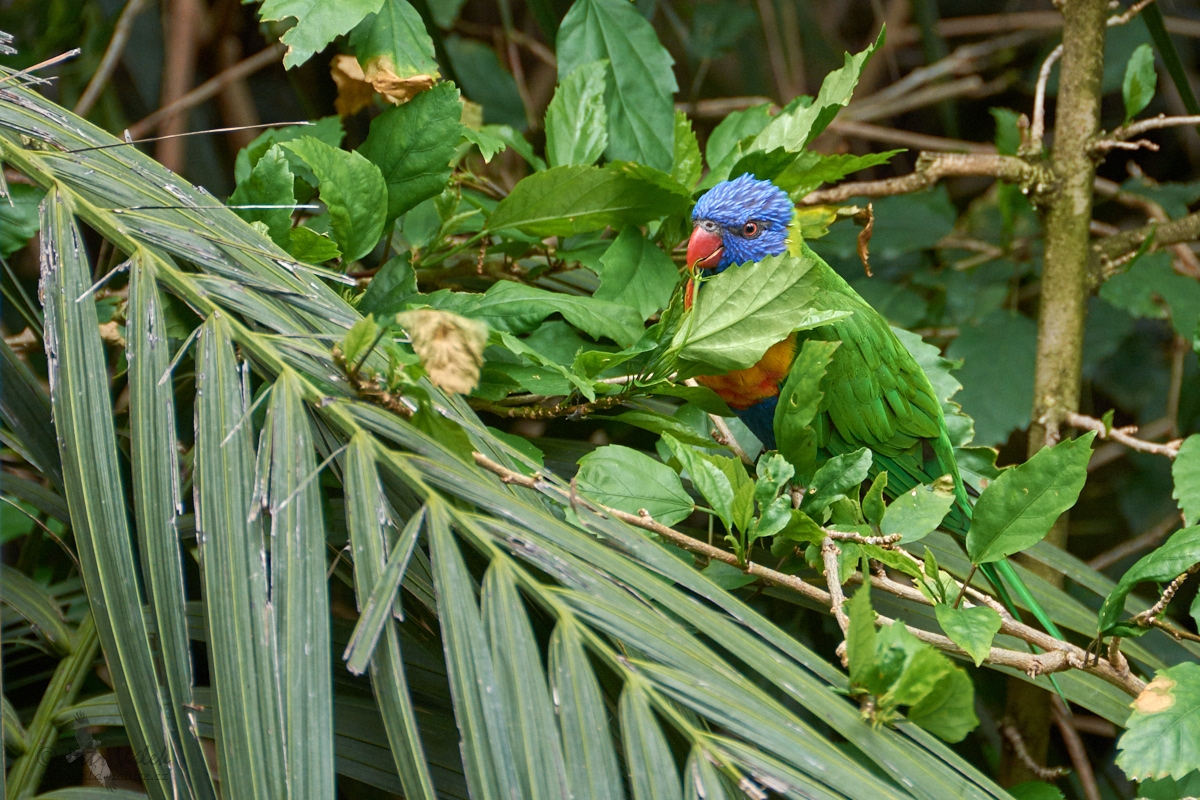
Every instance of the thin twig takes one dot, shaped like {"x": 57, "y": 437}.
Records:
{"x": 1037, "y": 129}
{"x": 1144, "y": 541}
{"x": 931, "y": 168}
{"x": 1146, "y": 618}
{"x": 723, "y": 435}
{"x": 917, "y": 141}
{"x": 112, "y": 55}
{"x": 1013, "y": 735}
{"x": 887, "y": 542}
{"x": 1152, "y": 124}
{"x": 1128, "y": 14}
{"x": 1075, "y": 748}
{"x": 1060, "y": 655}
{"x": 1123, "y": 435}
{"x": 829, "y": 557}
{"x": 208, "y": 89}
{"x": 179, "y": 69}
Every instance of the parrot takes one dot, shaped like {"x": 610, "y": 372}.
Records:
{"x": 875, "y": 393}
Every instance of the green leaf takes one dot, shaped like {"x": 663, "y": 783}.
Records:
{"x": 918, "y": 512}
{"x": 518, "y": 308}
{"x": 576, "y": 120}
{"x": 360, "y": 336}
{"x": 724, "y": 146}
{"x": 972, "y": 629}
{"x": 629, "y": 480}
{"x": 872, "y": 505}
{"x": 997, "y": 373}
{"x": 305, "y": 244}
{"x": 318, "y": 22}
{"x": 393, "y": 41}
{"x": 353, "y": 190}
{"x": 793, "y": 130}
{"x": 641, "y": 119}
{"x": 591, "y": 760}
{"x": 1173, "y": 558}
{"x": 1017, "y": 509}
{"x": 686, "y": 165}
{"x": 1035, "y": 790}
{"x": 707, "y": 477}
{"x": 799, "y": 399}
{"x": 659, "y": 423}
{"x": 327, "y": 129}
{"x": 948, "y": 711}
{"x": 486, "y": 81}
{"x": 924, "y": 669}
{"x": 412, "y": 144}
{"x": 773, "y": 474}
{"x": 744, "y": 310}
{"x": 18, "y": 217}
{"x": 810, "y": 170}
{"x": 1141, "y": 80}
{"x": 270, "y": 183}
{"x": 861, "y": 637}
{"x": 564, "y": 201}
{"x": 1152, "y": 289}
{"x": 651, "y": 767}
{"x": 835, "y": 479}
{"x": 637, "y": 274}
{"x": 1186, "y": 472}
{"x": 1162, "y": 738}
{"x": 392, "y": 286}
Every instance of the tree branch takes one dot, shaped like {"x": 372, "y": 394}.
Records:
{"x": 1108, "y": 254}
{"x": 931, "y": 168}
{"x": 1059, "y": 655}
{"x": 1123, "y": 435}
{"x": 112, "y": 55}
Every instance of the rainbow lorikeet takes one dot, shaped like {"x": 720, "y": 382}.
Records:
{"x": 875, "y": 394}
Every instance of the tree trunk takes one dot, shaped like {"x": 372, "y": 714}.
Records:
{"x": 1063, "y": 306}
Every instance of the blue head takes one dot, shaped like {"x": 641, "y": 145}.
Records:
{"x": 738, "y": 221}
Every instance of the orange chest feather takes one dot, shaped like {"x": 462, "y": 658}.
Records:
{"x": 744, "y": 387}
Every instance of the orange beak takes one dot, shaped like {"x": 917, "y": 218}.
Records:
{"x": 704, "y": 249}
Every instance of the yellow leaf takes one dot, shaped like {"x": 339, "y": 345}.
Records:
{"x": 450, "y": 347}
{"x": 357, "y": 86}
{"x": 354, "y": 93}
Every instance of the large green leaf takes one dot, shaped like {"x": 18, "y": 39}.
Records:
{"x": 518, "y": 308}
{"x": 299, "y": 592}
{"x": 393, "y": 40}
{"x": 637, "y": 274}
{"x": 269, "y": 184}
{"x": 744, "y": 310}
{"x": 318, "y": 22}
{"x": 794, "y": 128}
{"x": 576, "y": 121}
{"x": 918, "y": 511}
{"x": 366, "y": 515}
{"x": 353, "y": 190}
{"x": 1173, "y": 558}
{"x": 242, "y": 639}
{"x": 641, "y": 115}
{"x": 93, "y": 481}
{"x": 1017, "y": 509}
{"x": 563, "y": 201}
{"x": 154, "y": 471}
{"x": 631, "y": 481}
{"x": 412, "y": 145}
{"x": 1163, "y": 736}
{"x": 1186, "y": 473}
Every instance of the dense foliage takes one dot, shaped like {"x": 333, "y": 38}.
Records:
{"x": 385, "y": 474}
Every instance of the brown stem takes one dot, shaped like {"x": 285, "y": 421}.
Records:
{"x": 112, "y": 55}
{"x": 179, "y": 68}
{"x": 1059, "y": 655}
{"x": 1137, "y": 544}
{"x": 206, "y": 90}
{"x": 931, "y": 168}
{"x": 1122, "y": 435}
{"x": 1075, "y": 748}
{"x": 1064, "y": 293}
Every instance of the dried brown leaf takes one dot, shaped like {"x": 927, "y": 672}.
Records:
{"x": 450, "y": 347}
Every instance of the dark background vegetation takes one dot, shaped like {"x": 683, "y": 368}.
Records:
{"x": 728, "y": 55}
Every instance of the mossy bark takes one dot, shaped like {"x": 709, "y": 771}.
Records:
{"x": 1064, "y": 295}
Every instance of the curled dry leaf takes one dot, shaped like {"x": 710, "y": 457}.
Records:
{"x": 356, "y": 85}
{"x": 450, "y": 347}
{"x": 865, "y": 218}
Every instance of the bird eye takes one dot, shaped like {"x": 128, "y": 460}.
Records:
{"x": 750, "y": 230}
